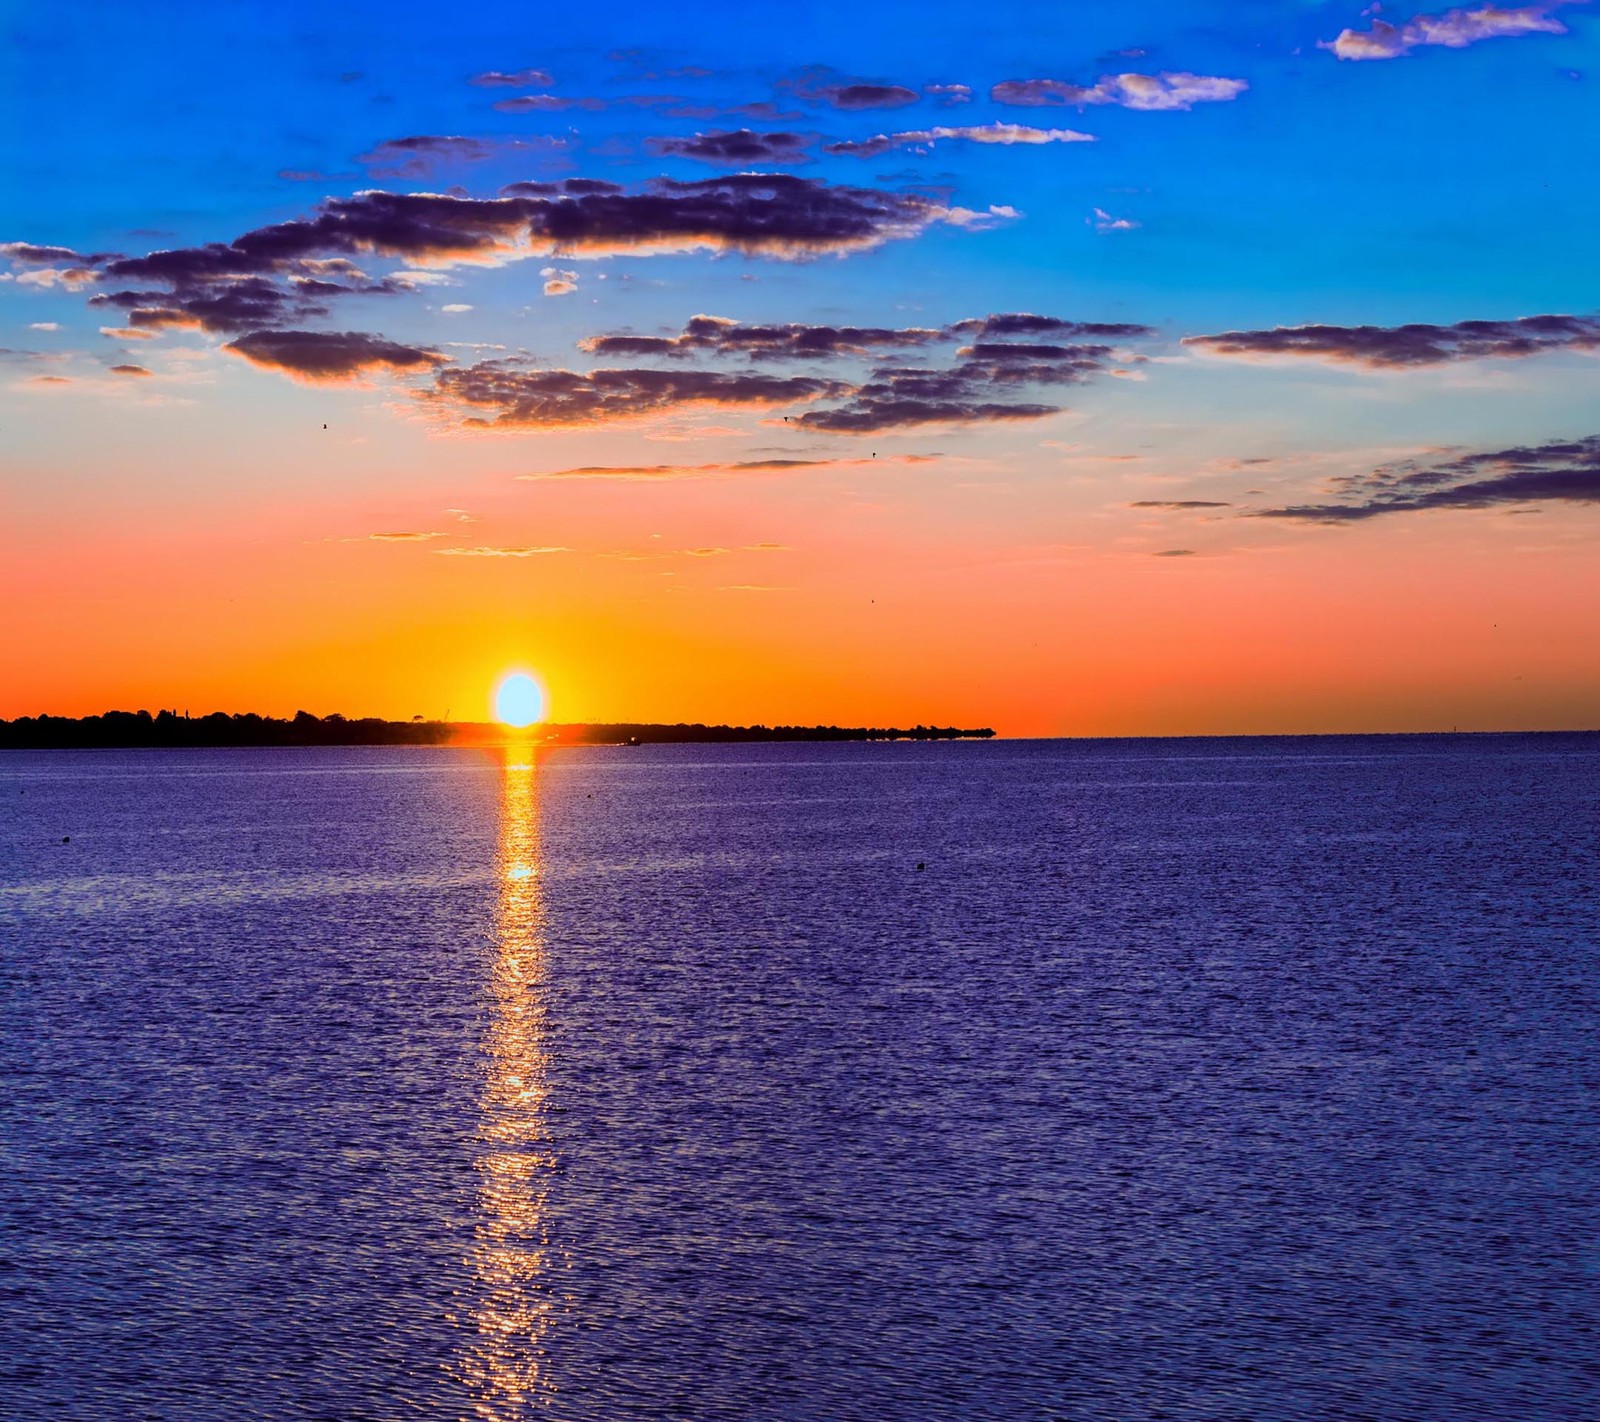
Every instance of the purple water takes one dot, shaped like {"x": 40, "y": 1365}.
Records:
{"x": 1215, "y": 1080}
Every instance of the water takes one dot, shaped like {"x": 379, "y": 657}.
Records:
{"x": 1188, "y": 1080}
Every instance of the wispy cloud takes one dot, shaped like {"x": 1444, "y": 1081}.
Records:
{"x": 993, "y": 133}
{"x": 1104, "y": 222}
{"x": 719, "y": 468}
{"x": 1168, "y": 90}
{"x": 1178, "y": 504}
{"x": 506, "y": 394}
{"x": 514, "y": 79}
{"x": 722, "y": 335}
{"x": 736, "y": 148}
{"x": 1559, "y": 472}
{"x": 492, "y": 551}
{"x": 1379, "y": 347}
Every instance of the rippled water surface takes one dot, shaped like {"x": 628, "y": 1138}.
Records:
{"x": 1215, "y": 1080}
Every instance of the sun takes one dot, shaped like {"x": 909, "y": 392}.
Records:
{"x": 518, "y": 701}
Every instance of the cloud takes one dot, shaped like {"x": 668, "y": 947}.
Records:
{"x": 1104, "y": 222}
{"x": 455, "y": 308}
{"x": 982, "y": 384}
{"x": 759, "y": 214}
{"x": 127, "y": 333}
{"x": 558, "y": 281}
{"x": 872, "y": 96}
{"x": 1002, "y": 133}
{"x": 486, "y": 551}
{"x": 790, "y": 341}
{"x": 418, "y": 155}
{"x": 1025, "y": 323}
{"x": 1455, "y": 29}
{"x": 546, "y": 104}
{"x": 819, "y": 84}
{"x": 405, "y": 537}
{"x": 700, "y": 471}
{"x": 982, "y": 387}
{"x": 1168, "y": 90}
{"x": 129, "y": 370}
{"x": 1562, "y": 472}
{"x": 949, "y": 95}
{"x": 31, "y": 254}
{"x": 290, "y": 272}
{"x": 1174, "y": 553}
{"x": 516, "y": 79}
{"x": 70, "y": 278}
{"x": 1178, "y": 504}
{"x": 322, "y": 356}
{"x": 510, "y": 395}
{"x": 739, "y": 147}
{"x": 44, "y": 325}
{"x": 1380, "y": 347}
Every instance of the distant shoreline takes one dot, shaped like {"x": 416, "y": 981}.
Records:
{"x": 139, "y": 730}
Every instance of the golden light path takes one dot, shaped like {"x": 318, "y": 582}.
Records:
{"x": 505, "y": 1366}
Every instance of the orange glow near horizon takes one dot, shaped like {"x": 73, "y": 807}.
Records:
{"x": 726, "y": 601}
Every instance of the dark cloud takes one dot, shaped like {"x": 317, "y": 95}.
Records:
{"x": 219, "y": 305}
{"x": 420, "y": 154}
{"x": 1178, "y": 504}
{"x": 509, "y": 394}
{"x": 981, "y": 387}
{"x": 820, "y": 84}
{"x": 1413, "y": 345}
{"x": 323, "y": 356}
{"x": 516, "y": 79}
{"x": 790, "y": 341}
{"x": 984, "y": 382}
{"x": 739, "y": 466}
{"x": 1563, "y": 472}
{"x": 795, "y": 341}
{"x": 681, "y": 471}
{"x": 1174, "y": 553}
{"x": 129, "y": 370}
{"x": 280, "y": 274}
{"x": 546, "y": 104}
{"x": 873, "y": 96}
{"x": 1023, "y": 323}
{"x": 739, "y": 147}
{"x": 766, "y": 214}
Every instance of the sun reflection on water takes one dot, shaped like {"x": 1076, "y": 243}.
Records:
{"x": 506, "y": 1366}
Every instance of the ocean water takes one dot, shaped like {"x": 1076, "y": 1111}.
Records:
{"x": 1222, "y": 1081}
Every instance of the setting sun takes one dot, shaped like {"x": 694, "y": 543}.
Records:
{"x": 519, "y": 701}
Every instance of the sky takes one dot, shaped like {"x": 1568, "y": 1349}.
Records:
{"x": 1157, "y": 368}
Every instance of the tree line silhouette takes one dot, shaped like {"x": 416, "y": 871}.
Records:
{"x": 137, "y": 729}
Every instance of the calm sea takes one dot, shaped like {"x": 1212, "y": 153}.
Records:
{"x": 1241, "y": 1081}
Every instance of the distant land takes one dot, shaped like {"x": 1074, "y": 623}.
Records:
{"x": 135, "y": 729}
